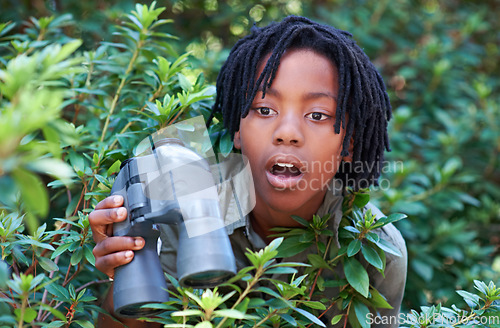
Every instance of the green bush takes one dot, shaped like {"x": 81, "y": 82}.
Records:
{"x": 444, "y": 90}
{"x": 68, "y": 119}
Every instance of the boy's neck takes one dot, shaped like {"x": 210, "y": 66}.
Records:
{"x": 263, "y": 219}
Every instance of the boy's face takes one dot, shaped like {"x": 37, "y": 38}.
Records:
{"x": 289, "y": 137}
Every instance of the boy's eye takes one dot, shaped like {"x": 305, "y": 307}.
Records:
{"x": 316, "y": 116}
{"x": 265, "y": 111}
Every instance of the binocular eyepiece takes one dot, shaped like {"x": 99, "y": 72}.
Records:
{"x": 172, "y": 185}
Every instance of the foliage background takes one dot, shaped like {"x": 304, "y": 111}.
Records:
{"x": 440, "y": 61}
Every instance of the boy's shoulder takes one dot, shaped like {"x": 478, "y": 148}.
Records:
{"x": 392, "y": 283}
{"x": 388, "y": 232}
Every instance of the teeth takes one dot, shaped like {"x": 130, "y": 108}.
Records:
{"x": 284, "y": 164}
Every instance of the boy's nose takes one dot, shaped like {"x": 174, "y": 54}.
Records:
{"x": 288, "y": 131}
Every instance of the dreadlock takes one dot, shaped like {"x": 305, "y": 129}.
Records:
{"x": 362, "y": 96}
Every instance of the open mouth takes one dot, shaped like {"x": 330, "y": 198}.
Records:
{"x": 285, "y": 170}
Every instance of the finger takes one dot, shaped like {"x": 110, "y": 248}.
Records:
{"x": 107, "y": 264}
{"x": 117, "y": 244}
{"x": 109, "y": 230}
{"x": 104, "y": 217}
{"x": 101, "y": 221}
{"x": 110, "y": 202}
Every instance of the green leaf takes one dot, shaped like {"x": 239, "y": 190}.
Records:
{"x": 372, "y": 257}
{"x": 336, "y": 319}
{"x": 61, "y": 249}
{"x": 256, "y": 303}
{"x": 55, "y": 312}
{"x": 481, "y": 286}
{"x": 29, "y": 314}
{"x": 47, "y": 264}
{"x": 115, "y": 167}
{"x": 289, "y": 264}
{"x": 53, "y": 143}
{"x": 60, "y": 292}
{"x": 291, "y": 246}
{"x": 378, "y": 300}
{"x": 97, "y": 92}
{"x": 87, "y": 250}
{"x": 361, "y": 199}
{"x": 33, "y": 193}
{"x": 388, "y": 247}
{"x": 72, "y": 292}
{"x": 195, "y": 298}
{"x": 269, "y": 291}
{"x": 70, "y": 209}
{"x": 373, "y": 237}
{"x": 388, "y": 219}
{"x": 204, "y": 324}
{"x": 56, "y": 323}
{"x": 6, "y": 27}
{"x": 356, "y": 275}
{"x": 317, "y": 261}
{"x": 423, "y": 269}
{"x": 77, "y": 256}
{"x": 307, "y": 236}
{"x": 184, "y": 83}
{"x": 278, "y": 303}
{"x": 187, "y": 313}
{"x": 352, "y": 229}
{"x": 300, "y": 220}
{"x": 314, "y": 305}
{"x": 19, "y": 255}
{"x": 89, "y": 299}
{"x": 53, "y": 167}
{"x": 451, "y": 165}
{"x": 281, "y": 270}
{"x": 4, "y": 274}
{"x": 229, "y": 313}
{"x": 67, "y": 50}
{"x": 468, "y": 199}
{"x": 40, "y": 231}
{"x": 288, "y": 318}
{"x": 36, "y": 243}
{"x": 472, "y": 300}
{"x": 354, "y": 247}
{"x": 309, "y": 316}
{"x": 225, "y": 144}
{"x": 103, "y": 180}
{"x": 335, "y": 283}
{"x": 84, "y": 323}
{"x": 162, "y": 306}
{"x": 361, "y": 311}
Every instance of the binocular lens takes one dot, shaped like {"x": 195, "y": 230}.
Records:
{"x": 207, "y": 279}
{"x": 136, "y": 310}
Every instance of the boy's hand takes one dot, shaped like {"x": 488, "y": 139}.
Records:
{"x": 111, "y": 252}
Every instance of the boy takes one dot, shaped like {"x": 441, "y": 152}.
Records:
{"x": 305, "y": 106}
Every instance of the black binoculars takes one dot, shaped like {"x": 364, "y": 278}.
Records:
{"x": 170, "y": 185}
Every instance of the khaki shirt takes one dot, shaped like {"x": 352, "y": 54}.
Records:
{"x": 242, "y": 237}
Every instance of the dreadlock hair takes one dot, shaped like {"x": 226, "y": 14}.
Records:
{"x": 362, "y": 96}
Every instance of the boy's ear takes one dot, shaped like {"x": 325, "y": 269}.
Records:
{"x": 348, "y": 158}
{"x": 237, "y": 140}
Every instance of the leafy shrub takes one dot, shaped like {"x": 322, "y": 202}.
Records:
{"x": 445, "y": 133}
{"x": 68, "y": 119}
